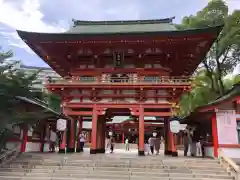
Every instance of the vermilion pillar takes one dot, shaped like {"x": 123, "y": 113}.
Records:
{"x": 80, "y": 122}
{"x": 72, "y": 135}
{"x": 141, "y": 132}
{"x": 167, "y": 150}
{"x": 24, "y": 137}
{"x": 172, "y": 142}
{"x": 93, "y": 149}
{"x": 123, "y": 137}
{"x": 101, "y": 134}
{"x": 102, "y": 150}
{"x": 215, "y": 135}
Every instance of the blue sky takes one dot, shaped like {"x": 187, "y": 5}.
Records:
{"x": 56, "y": 16}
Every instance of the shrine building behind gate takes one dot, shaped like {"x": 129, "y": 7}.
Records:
{"x": 121, "y": 68}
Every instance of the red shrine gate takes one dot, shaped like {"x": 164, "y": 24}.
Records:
{"x": 135, "y": 68}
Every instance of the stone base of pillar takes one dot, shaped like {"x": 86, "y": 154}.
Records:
{"x": 61, "y": 151}
{"x": 70, "y": 150}
{"x": 175, "y": 154}
{"x": 79, "y": 150}
{"x": 93, "y": 151}
{"x": 141, "y": 153}
{"x": 100, "y": 151}
{"x": 167, "y": 152}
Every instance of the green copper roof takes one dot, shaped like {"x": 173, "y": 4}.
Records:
{"x": 98, "y": 27}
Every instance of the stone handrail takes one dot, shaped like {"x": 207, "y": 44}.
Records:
{"x": 229, "y": 164}
{"x": 9, "y": 155}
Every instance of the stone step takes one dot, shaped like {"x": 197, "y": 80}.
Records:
{"x": 108, "y": 174}
{"x": 71, "y": 178}
{"x": 114, "y": 170}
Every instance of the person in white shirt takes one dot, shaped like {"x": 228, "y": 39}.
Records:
{"x": 126, "y": 144}
{"x": 147, "y": 147}
{"x": 151, "y": 144}
{"x": 81, "y": 141}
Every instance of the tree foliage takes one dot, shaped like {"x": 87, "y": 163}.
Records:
{"x": 15, "y": 83}
{"x": 224, "y": 54}
{"x": 209, "y": 82}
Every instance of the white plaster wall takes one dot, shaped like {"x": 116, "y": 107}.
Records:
{"x": 106, "y": 92}
{"x": 150, "y": 100}
{"x": 129, "y": 91}
{"x": 130, "y": 100}
{"x": 162, "y": 100}
{"x": 33, "y": 147}
{"x": 106, "y": 100}
{"x": 86, "y": 100}
{"x": 231, "y": 152}
{"x": 209, "y": 151}
{"x": 46, "y": 147}
{"x": 75, "y": 100}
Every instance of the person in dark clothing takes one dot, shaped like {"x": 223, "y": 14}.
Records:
{"x": 186, "y": 142}
{"x": 112, "y": 143}
{"x": 202, "y": 143}
{"x": 195, "y": 136}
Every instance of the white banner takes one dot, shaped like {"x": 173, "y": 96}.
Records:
{"x": 227, "y": 127}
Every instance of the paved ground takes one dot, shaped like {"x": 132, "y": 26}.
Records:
{"x": 131, "y": 152}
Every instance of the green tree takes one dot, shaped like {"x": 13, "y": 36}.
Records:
{"x": 224, "y": 54}
{"x": 15, "y": 83}
{"x": 53, "y": 101}
{"x": 209, "y": 82}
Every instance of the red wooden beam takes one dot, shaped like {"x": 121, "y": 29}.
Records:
{"x": 118, "y": 105}
{"x": 162, "y": 114}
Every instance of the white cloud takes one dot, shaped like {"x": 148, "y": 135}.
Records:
{"x": 27, "y": 17}
{"x": 233, "y": 5}
{"x": 23, "y": 16}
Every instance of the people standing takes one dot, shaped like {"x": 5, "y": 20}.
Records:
{"x": 151, "y": 144}
{"x": 112, "y": 143}
{"x": 107, "y": 142}
{"x": 186, "y": 142}
{"x": 194, "y": 140}
{"x": 137, "y": 142}
{"x": 53, "y": 138}
{"x": 157, "y": 144}
{"x": 199, "y": 148}
{"x": 202, "y": 144}
{"x": 81, "y": 141}
{"x": 126, "y": 144}
{"x": 146, "y": 147}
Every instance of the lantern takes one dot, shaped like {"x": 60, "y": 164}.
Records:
{"x": 61, "y": 124}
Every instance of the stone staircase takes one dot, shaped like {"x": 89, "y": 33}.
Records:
{"x": 111, "y": 166}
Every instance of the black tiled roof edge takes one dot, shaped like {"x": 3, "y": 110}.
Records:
{"x": 128, "y": 22}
